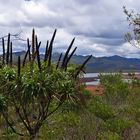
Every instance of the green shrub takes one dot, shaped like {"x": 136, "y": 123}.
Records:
{"x": 118, "y": 125}
{"x": 35, "y": 89}
{"x": 132, "y": 107}
{"x": 116, "y": 89}
{"x": 87, "y": 93}
{"x": 101, "y": 109}
{"x": 133, "y": 111}
{"x": 109, "y": 136}
{"x": 110, "y": 78}
{"x": 2, "y": 103}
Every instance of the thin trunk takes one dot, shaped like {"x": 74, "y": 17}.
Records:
{"x": 58, "y": 61}
{"x": 33, "y": 45}
{"x": 46, "y": 51}
{"x": 3, "y": 56}
{"x": 66, "y": 54}
{"x": 11, "y": 54}
{"x": 18, "y": 66}
{"x": 8, "y": 49}
{"x": 37, "y": 53}
{"x": 50, "y": 49}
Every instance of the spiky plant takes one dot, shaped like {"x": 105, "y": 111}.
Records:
{"x": 37, "y": 89}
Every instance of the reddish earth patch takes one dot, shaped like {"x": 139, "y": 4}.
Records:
{"x": 95, "y": 90}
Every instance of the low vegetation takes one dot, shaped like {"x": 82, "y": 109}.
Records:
{"x": 44, "y": 100}
{"x": 35, "y": 89}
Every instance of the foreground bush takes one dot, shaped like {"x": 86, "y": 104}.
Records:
{"x": 30, "y": 93}
{"x": 100, "y": 119}
{"x": 116, "y": 89}
{"x": 44, "y": 100}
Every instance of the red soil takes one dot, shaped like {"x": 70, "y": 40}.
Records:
{"x": 95, "y": 90}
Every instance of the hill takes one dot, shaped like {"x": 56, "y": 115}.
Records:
{"x": 98, "y": 64}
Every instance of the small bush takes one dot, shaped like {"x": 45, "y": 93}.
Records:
{"x": 109, "y": 136}
{"x": 2, "y": 103}
{"x": 116, "y": 89}
{"x": 118, "y": 125}
{"x": 101, "y": 109}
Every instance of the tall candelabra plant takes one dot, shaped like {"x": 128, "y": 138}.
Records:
{"x": 35, "y": 89}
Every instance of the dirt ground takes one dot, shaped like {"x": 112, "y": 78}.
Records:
{"x": 95, "y": 90}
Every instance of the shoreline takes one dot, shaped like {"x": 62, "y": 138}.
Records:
{"x": 95, "y": 78}
{"x": 99, "y": 89}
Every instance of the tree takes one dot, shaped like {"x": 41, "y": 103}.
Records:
{"x": 35, "y": 90}
{"x": 133, "y": 37}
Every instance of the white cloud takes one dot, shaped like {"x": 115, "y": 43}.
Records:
{"x": 99, "y": 26}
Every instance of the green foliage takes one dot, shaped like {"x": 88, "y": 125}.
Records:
{"x": 34, "y": 90}
{"x": 110, "y": 78}
{"x": 135, "y": 82}
{"x": 133, "y": 108}
{"x": 118, "y": 125}
{"x": 87, "y": 93}
{"x": 2, "y": 103}
{"x": 102, "y": 118}
{"x": 118, "y": 108}
{"x": 116, "y": 89}
{"x": 43, "y": 100}
{"x": 39, "y": 91}
{"x": 109, "y": 136}
{"x": 101, "y": 109}
{"x": 58, "y": 125}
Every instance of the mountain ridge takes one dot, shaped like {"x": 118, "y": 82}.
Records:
{"x": 113, "y": 63}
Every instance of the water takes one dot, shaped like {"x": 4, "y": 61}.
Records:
{"x": 97, "y": 82}
{"x": 91, "y": 74}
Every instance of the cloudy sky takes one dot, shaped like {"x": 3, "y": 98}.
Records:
{"x": 98, "y": 25}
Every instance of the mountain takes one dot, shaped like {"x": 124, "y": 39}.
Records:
{"x": 98, "y": 64}
{"x": 113, "y": 64}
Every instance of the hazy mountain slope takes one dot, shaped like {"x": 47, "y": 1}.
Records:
{"x": 98, "y": 64}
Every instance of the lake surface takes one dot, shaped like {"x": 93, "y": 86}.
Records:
{"x": 97, "y": 82}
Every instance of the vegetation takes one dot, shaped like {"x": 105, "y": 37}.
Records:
{"x": 44, "y": 100}
{"x": 31, "y": 93}
{"x": 133, "y": 37}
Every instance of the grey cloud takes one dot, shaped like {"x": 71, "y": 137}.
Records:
{"x": 99, "y": 25}
{"x": 110, "y": 42}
